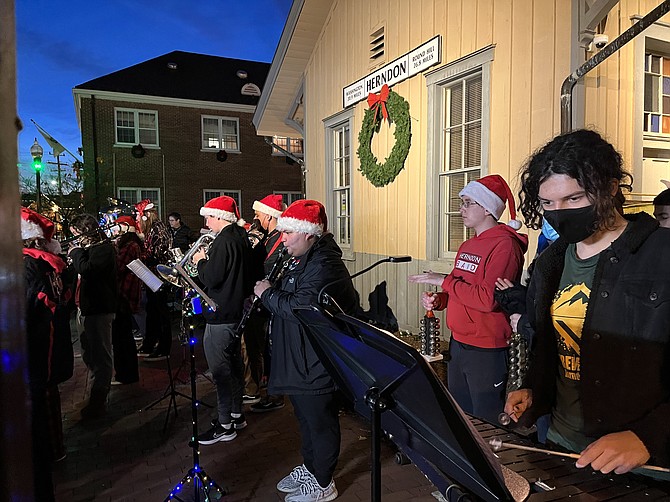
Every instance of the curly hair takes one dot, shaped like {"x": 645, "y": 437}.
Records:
{"x": 88, "y": 226}
{"x": 584, "y": 156}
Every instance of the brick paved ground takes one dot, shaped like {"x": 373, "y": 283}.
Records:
{"x": 126, "y": 456}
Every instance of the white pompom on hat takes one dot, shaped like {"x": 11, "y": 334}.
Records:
{"x": 223, "y": 208}
{"x": 141, "y": 206}
{"x": 492, "y": 192}
{"x": 34, "y": 225}
{"x": 271, "y": 204}
{"x": 304, "y": 216}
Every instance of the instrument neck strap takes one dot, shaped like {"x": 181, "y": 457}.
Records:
{"x": 274, "y": 248}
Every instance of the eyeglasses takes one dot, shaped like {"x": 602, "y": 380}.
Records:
{"x": 467, "y": 203}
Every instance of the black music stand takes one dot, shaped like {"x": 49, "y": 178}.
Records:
{"x": 393, "y": 386}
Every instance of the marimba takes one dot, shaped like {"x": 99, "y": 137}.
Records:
{"x": 556, "y": 478}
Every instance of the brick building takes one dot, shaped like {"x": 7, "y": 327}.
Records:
{"x": 177, "y": 129}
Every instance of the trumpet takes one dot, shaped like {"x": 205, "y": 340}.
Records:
{"x": 203, "y": 242}
{"x": 65, "y": 244}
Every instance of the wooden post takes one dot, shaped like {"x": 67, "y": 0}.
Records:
{"x": 15, "y": 446}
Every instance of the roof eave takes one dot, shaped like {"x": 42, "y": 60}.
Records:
{"x": 304, "y": 18}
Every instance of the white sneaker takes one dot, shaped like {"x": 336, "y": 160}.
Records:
{"x": 295, "y": 479}
{"x": 311, "y": 491}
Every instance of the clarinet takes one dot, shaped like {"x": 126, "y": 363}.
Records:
{"x": 275, "y": 273}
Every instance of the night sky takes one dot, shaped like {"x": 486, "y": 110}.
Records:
{"x": 61, "y": 44}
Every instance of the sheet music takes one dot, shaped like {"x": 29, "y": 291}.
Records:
{"x": 147, "y": 276}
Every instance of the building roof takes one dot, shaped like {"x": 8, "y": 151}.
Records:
{"x": 303, "y": 26}
{"x": 185, "y": 75}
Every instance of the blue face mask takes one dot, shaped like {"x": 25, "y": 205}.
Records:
{"x": 548, "y": 231}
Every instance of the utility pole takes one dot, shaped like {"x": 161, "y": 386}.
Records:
{"x": 60, "y": 180}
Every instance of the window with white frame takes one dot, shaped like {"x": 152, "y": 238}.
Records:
{"x": 458, "y": 119}
{"x": 338, "y": 176}
{"x": 651, "y": 143}
{"x": 220, "y": 133}
{"x": 289, "y": 197}
{"x": 209, "y": 194}
{"x": 135, "y": 127}
{"x": 293, "y": 145}
{"x": 133, "y": 195}
{"x": 656, "y": 93}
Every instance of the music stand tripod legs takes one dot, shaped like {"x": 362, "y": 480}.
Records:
{"x": 170, "y": 392}
{"x": 196, "y": 478}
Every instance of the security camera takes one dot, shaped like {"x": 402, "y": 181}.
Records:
{"x": 600, "y": 40}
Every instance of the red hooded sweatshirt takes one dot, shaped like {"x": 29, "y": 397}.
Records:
{"x": 473, "y": 316}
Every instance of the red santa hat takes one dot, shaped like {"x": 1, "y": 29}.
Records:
{"x": 223, "y": 208}
{"x": 141, "y": 206}
{"x": 272, "y": 205}
{"x": 129, "y": 225}
{"x": 305, "y": 217}
{"x": 34, "y": 225}
{"x": 492, "y": 192}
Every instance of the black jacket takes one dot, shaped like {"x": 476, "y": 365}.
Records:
{"x": 296, "y": 369}
{"x": 183, "y": 237}
{"x": 625, "y": 344}
{"x": 227, "y": 274}
{"x": 98, "y": 289}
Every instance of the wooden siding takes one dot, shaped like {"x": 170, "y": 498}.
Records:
{"x": 530, "y": 37}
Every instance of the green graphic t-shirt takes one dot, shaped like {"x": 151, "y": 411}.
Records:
{"x": 568, "y": 311}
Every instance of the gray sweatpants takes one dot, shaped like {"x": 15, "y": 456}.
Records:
{"x": 227, "y": 370}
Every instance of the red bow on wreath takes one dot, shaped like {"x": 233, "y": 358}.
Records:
{"x": 377, "y": 101}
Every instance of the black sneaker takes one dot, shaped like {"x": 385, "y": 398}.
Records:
{"x": 267, "y": 406}
{"x": 249, "y": 399}
{"x": 239, "y": 422}
{"x": 217, "y": 433}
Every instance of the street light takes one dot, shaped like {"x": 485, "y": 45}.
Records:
{"x": 37, "y": 151}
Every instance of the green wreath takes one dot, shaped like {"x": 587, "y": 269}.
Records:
{"x": 382, "y": 174}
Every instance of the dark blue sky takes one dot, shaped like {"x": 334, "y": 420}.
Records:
{"x": 61, "y": 44}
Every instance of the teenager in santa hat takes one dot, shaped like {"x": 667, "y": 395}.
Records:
{"x": 477, "y": 372}
{"x": 44, "y": 292}
{"x": 157, "y": 244}
{"x": 266, "y": 241}
{"x": 296, "y": 369}
{"x": 226, "y": 272}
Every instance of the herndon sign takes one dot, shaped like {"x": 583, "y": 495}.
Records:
{"x": 406, "y": 66}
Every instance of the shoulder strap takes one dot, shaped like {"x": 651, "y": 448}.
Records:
{"x": 276, "y": 245}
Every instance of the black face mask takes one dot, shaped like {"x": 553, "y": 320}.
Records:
{"x": 256, "y": 226}
{"x": 574, "y": 225}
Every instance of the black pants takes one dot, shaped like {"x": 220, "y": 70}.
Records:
{"x": 255, "y": 336}
{"x": 158, "y": 329}
{"x": 123, "y": 345}
{"x": 320, "y": 434}
{"x": 42, "y": 451}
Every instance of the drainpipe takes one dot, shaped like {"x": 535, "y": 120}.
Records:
{"x": 300, "y": 161}
{"x": 164, "y": 206}
{"x": 628, "y": 35}
{"x": 96, "y": 167}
